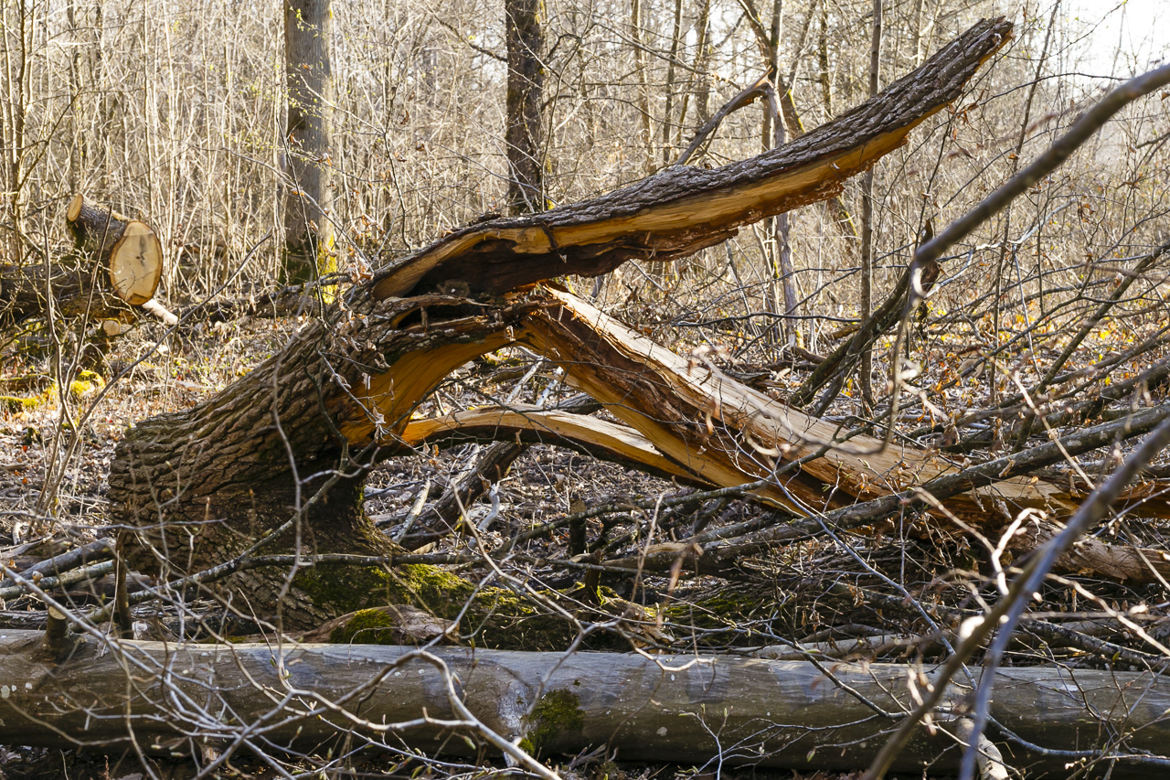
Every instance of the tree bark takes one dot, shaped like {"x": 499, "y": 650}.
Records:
{"x": 308, "y": 199}
{"x": 524, "y": 133}
{"x": 704, "y": 710}
{"x": 292, "y": 440}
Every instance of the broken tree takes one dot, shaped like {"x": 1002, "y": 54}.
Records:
{"x": 276, "y": 461}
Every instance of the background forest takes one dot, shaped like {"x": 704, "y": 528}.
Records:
{"x": 1048, "y": 319}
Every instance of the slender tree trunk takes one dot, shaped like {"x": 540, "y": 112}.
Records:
{"x": 524, "y": 134}
{"x": 703, "y": 65}
{"x": 782, "y": 299}
{"x": 646, "y": 132}
{"x": 308, "y": 26}
{"x": 675, "y": 43}
{"x": 19, "y": 19}
{"x": 866, "y": 304}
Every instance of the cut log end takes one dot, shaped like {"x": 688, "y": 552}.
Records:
{"x": 135, "y": 264}
{"x": 74, "y": 209}
{"x": 128, "y": 248}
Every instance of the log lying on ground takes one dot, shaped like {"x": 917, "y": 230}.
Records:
{"x": 682, "y": 709}
{"x": 681, "y": 210}
{"x": 129, "y": 250}
{"x": 118, "y": 266}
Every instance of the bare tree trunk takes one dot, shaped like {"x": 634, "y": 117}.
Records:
{"x": 309, "y": 242}
{"x": 782, "y": 299}
{"x": 675, "y": 43}
{"x": 646, "y": 132}
{"x": 524, "y": 134}
{"x": 13, "y": 118}
{"x": 866, "y": 303}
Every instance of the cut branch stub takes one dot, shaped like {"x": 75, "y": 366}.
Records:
{"x": 681, "y": 210}
{"x": 129, "y": 249}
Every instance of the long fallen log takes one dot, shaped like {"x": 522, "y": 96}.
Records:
{"x": 702, "y": 710}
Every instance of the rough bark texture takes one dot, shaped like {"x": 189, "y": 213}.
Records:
{"x": 681, "y": 709}
{"x": 681, "y": 210}
{"x": 293, "y": 438}
{"x": 308, "y": 26}
{"x": 524, "y": 133}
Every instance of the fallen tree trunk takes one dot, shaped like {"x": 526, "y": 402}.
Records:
{"x": 118, "y": 266}
{"x": 277, "y": 459}
{"x": 726, "y": 433}
{"x": 703, "y": 710}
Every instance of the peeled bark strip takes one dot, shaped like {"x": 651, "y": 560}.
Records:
{"x": 726, "y": 433}
{"x": 598, "y": 438}
{"x": 681, "y": 709}
{"x": 681, "y": 210}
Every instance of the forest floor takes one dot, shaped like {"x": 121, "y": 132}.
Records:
{"x": 891, "y": 593}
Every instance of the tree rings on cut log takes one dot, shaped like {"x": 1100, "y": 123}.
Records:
{"x": 135, "y": 264}
{"x": 129, "y": 249}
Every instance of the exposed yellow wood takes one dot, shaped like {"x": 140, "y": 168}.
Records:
{"x": 135, "y": 264}
{"x": 626, "y": 443}
{"x": 764, "y": 430}
{"x": 382, "y": 406}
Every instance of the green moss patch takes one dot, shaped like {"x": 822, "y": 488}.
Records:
{"x": 496, "y": 617}
{"x": 556, "y": 713}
